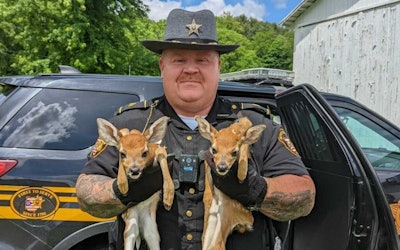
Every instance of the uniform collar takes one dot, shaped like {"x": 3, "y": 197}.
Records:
{"x": 222, "y": 109}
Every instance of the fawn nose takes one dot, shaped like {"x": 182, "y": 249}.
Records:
{"x": 222, "y": 168}
{"x": 134, "y": 172}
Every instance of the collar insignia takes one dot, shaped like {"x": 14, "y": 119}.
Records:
{"x": 193, "y": 28}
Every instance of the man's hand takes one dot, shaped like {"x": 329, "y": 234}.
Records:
{"x": 250, "y": 193}
{"x": 139, "y": 190}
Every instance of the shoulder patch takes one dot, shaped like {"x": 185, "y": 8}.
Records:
{"x": 284, "y": 139}
{"x": 98, "y": 147}
{"x": 134, "y": 105}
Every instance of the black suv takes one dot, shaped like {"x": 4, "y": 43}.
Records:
{"x": 48, "y": 126}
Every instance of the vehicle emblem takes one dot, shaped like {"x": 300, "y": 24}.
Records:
{"x": 98, "y": 147}
{"x": 284, "y": 139}
{"x": 34, "y": 203}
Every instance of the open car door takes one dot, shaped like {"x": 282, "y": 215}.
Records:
{"x": 351, "y": 211}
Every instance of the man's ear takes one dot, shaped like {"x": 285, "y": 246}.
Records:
{"x": 161, "y": 65}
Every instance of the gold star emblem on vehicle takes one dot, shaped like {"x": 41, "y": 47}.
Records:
{"x": 193, "y": 28}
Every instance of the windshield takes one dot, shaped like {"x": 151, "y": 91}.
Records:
{"x": 381, "y": 147}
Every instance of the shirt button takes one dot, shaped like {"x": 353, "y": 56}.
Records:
{"x": 189, "y": 213}
{"x": 189, "y": 237}
{"x": 192, "y": 190}
{"x": 189, "y": 137}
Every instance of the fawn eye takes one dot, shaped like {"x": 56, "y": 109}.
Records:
{"x": 234, "y": 153}
{"x": 213, "y": 151}
{"x": 122, "y": 155}
{"x": 144, "y": 154}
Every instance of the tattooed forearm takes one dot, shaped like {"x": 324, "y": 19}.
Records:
{"x": 283, "y": 206}
{"x": 96, "y": 196}
{"x": 288, "y": 197}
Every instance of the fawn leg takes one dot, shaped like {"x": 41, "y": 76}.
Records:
{"x": 122, "y": 180}
{"x": 212, "y": 237}
{"x": 236, "y": 217}
{"x": 131, "y": 232}
{"x": 148, "y": 219}
{"x": 168, "y": 185}
{"x": 208, "y": 197}
{"x": 243, "y": 162}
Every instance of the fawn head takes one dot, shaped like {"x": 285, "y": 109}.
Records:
{"x": 228, "y": 144}
{"x": 136, "y": 150}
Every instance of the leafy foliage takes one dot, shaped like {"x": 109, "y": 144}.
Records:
{"x": 103, "y": 36}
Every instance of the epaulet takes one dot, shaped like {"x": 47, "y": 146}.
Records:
{"x": 251, "y": 106}
{"x": 134, "y": 105}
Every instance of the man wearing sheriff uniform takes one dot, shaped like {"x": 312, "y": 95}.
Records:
{"x": 277, "y": 186}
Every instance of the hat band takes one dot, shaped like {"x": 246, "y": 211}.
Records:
{"x": 192, "y": 40}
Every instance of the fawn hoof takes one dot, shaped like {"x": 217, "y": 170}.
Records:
{"x": 168, "y": 202}
{"x": 167, "y": 206}
{"x": 241, "y": 180}
{"x": 242, "y": 228}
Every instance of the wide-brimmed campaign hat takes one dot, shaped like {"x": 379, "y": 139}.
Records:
{"x": 190, "y": 30}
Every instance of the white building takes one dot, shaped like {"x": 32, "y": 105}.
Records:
{"x": 350, "y": 47}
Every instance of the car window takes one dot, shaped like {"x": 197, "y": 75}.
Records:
{"x": 317, "y": 140}
{"x": 5, "y": 89}
{"x": 380, "y": 146}
{"x": 61, "y": 119}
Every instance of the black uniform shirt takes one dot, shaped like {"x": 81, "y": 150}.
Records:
{"x": 182, "y": 226}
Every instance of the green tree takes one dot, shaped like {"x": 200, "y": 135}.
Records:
{"x": 251, "y": 26}
{"x": 279, "y": 53}
{"x": 141, "y": 60}
{"x": 229, "y": 22}
{"x": 262, "y": 44}
{"x": 104, "y": 36}
{"x": 91, "y": 35}
{"x": 243, "y": 57}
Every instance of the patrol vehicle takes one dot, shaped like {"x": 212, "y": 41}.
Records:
{"x": 48, "y": 127}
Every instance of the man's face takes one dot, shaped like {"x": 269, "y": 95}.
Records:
{"x": 190, "y": 79}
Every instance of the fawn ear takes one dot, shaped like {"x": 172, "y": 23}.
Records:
{"x": 108, "y": 132}
{"x": 157, "y": 130}
{"x": 206, "y": 129}
{"x": 253, "y": 134}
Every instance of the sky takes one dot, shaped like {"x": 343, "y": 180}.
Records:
{"x": 273, "y": 11}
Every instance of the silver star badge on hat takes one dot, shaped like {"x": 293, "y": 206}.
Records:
{"x": 193, "y": 28}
